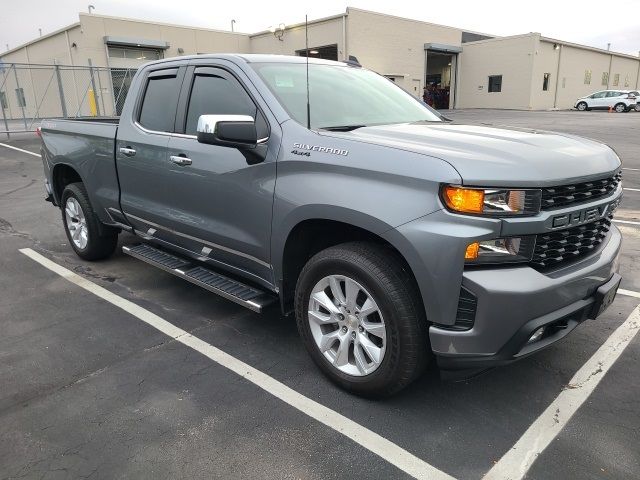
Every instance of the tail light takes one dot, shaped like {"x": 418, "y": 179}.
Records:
{"x": 39, "y": 132}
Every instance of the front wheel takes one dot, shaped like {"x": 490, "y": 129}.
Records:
{"x": 89, "y": 239}
{"x": 582, "y": 106}
{"x": 360, "y": 317}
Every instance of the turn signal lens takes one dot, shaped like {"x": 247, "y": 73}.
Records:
{"x": 467, "y": 200}
{"x": 472, "y": 251}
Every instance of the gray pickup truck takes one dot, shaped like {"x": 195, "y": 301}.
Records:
{"x": 396, "y": 237}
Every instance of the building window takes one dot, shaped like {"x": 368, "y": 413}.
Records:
{"x": 545, "y": 82}
{"x": 495, "y": 83}
{"x": 605, "y": 79}
{"x": 20, "y": 96}
{"x": 616, "y": 79}
{"x": 587, "y": 77}
{"x": 626, "y": 80}
{"x": 146, "y": 54}
{"x": 3, "y": 100}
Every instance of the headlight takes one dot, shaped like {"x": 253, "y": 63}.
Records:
{"x": 500, "y": 250}
{"x": 491, "y": 202}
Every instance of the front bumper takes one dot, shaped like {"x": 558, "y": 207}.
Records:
{"x": 512, "y": 303}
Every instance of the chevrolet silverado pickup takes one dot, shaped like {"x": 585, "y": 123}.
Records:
{"x": 396, "y": 238}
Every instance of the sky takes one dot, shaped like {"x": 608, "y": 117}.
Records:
{"x": 588, "y": 22}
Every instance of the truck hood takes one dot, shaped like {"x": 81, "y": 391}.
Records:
{"x": 504, "y": 156}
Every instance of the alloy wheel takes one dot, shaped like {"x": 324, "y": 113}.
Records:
{"x": 76, "y": 223}
{"x": 347, "y": 325}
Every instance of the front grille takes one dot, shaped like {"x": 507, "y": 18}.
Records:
{"x": 557, "y": 248}
{"x": 564, "y": 195}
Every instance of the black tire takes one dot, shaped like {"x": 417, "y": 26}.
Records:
{"x": 620, "y": 107}
{"x": 102, "y": 240}
{"x": 385, "y": 275}
{"x": 582, "y": 107}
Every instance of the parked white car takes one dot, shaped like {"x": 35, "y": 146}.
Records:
{"x": 619, "y": 100}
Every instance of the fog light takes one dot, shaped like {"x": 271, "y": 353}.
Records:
{"x": 537, "y": 335}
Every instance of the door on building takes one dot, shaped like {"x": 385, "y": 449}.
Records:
{"x": 327, "y": 52}
{"x": 440, "y": 79}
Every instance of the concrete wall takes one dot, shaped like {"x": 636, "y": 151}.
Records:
{"x": 321, "y": 33}
{"x": 190, "y": 40}
{"x": 627, "y": 68}
{"x": 511, "y": 57}
{"x": 40, "y": 84}
{"x": 574, "y": 61}
{"x": 394, "y": 46}
{"x": 545, "y": 60}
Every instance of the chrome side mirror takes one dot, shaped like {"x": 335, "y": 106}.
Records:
{"x": 237, "y": 131}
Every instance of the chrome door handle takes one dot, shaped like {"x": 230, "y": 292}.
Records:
{"x": 180, "y": 160}
{"x": 127, "y": 151}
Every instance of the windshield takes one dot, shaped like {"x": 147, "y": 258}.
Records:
{"x": 341, "y": 96}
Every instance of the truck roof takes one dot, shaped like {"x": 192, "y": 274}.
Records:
{"x": 254, "y": 58}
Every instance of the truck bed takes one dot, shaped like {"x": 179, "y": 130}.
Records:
{"x": 87, "y": 145}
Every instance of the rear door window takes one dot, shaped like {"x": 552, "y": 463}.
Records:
{"x": 158, "y": 109}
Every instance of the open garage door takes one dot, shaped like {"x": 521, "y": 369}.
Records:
{"x": 440, "y": 75}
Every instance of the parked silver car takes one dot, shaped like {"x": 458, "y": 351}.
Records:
{"x": 618, "y": 100}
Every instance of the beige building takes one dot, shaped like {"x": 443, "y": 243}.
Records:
{"x": 538, "y": 73}
{"x": 464, "y": 69}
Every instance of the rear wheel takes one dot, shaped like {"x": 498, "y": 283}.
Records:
{"x": 360, "y": 317}
{"x": 582, "y": 106}
{"x": 620, "y": 107}
{"x": 89, "y": 239}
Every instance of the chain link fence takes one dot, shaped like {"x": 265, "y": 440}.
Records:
{"x": 31, "y": 92}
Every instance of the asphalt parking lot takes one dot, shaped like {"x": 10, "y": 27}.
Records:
{"x": 89, "y": 390}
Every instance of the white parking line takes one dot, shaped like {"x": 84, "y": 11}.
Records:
{"x": 628, "y": 293}
{"x": 631, "y": 189}
{"x": 373, "y": 442}
{"x": 635, "y": 169}
{"x": 517, "y": 461}
{"x": 628, "y": 222}
{"x": 20, "y": 150}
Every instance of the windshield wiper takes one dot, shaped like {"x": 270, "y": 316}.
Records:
{"x": 342, "y": 128}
